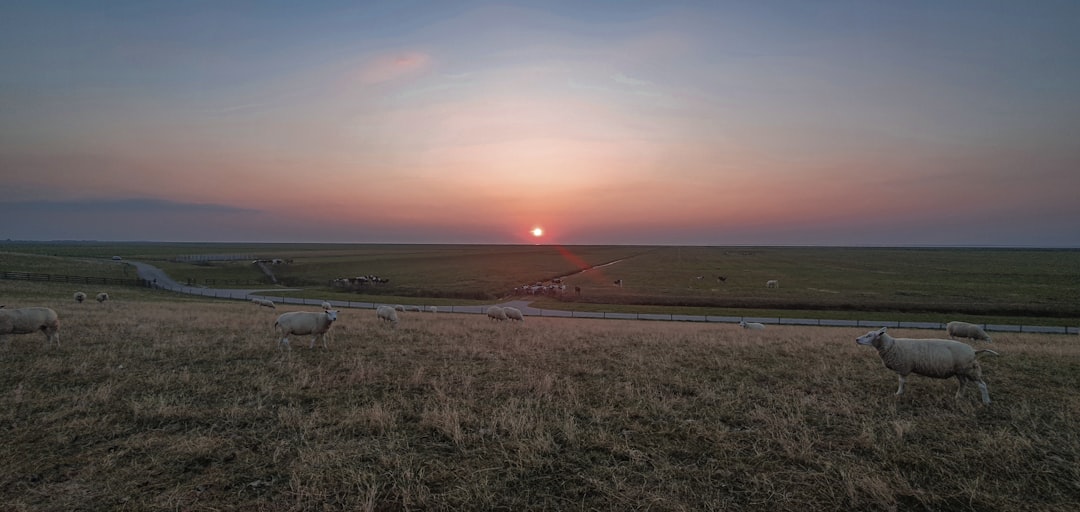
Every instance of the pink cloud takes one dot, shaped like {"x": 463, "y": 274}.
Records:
{"x": 392, "y": 67}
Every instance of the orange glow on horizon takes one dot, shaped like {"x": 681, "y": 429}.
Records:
{"x": 537, "y": 232}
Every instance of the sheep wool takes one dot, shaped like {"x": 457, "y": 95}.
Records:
{"x": 513, "y": 313}
{"x": 387, "y": 314}
{"x": 326, "y": 306}
{"x": 966, "y": 330}
{"x": 28, "y": 320}
{"x": 102, "y": 297}
{"x": 80, "y": 297}
{"x": 305, "y": 322}
{"x": 496, "y": 313}
{"x": 753, "y": 326}
{"x": 939, "y": 359}
{"x": 266, "y": 303}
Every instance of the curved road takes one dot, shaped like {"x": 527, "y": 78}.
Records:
{"x": 162, "y": 280}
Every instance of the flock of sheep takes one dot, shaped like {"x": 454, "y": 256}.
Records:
{"x": 936, "y": 358}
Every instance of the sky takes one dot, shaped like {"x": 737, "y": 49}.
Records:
{"x": 600, "y": 122}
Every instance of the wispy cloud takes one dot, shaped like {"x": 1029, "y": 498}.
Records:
{"x": 387, "y": 68}
{"x": 125, "y": 205}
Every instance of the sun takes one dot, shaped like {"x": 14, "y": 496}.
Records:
{"x": 537, "y": 232}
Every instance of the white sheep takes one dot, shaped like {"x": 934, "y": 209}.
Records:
{"x": 966, "y": 330}
{"x": 496, "y": 313}
{"x": 513, "y": 313}
{"x": 326, "y": 306}
{"x": 264, "y": 302}
{"x": 433, "y": 309}
{"x": 102, "y": 297}
{"x": 399, "y": 307}
{"x": 753, "y": 326}
{"x": 305, "y": 322}
{"x": 939, "y": 359}
{"x": 387, "y": 314}
{"x": 80, "y": 297}
{"x": 772, "y": 283}
{"x": 28, "y": 320}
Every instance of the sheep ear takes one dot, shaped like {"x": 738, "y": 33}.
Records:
{"x": 882, "y": 330}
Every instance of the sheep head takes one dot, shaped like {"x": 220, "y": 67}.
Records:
{"x": 871, "y": 338}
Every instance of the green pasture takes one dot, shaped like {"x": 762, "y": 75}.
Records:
{"x": 932, "y": 284}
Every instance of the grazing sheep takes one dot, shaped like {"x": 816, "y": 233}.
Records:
{"x": 939, "y": 359}
{"x": 305, "y": 322}
{"x": 28, "y": 320}
{"x": 966, "y": 330}
{"x": 513, "y": 313}
{"x": 399, "y": 307}
{"x": 496, "y": 313}
{"x": 102, "y": 297}
{"x": 264, "y": 302}
{"x": 387, "y": 314}
{"x": 326, "y": 306}
{"x": 772, "y": 283}
{"x": 80, "y": 297}
{"x": 753, "y": 326}
{"x": 433, "y": 309}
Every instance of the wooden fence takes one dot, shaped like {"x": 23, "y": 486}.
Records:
{"x": 60, "y": 278}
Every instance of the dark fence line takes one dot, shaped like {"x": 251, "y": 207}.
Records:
{"x": 551, "y": 313}
{"x": 60, "y": 278}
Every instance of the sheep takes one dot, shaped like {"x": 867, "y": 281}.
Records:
{"x": 496, "y": 313}
{"x": 80, "y": 297}
{"x": 387, "y": 314}
{"x": 939, "y": 359}
{"x": 399, "y": 307}
{"x": 753, "y": 326}
{"x": 326, "y": 306}
{"x": 305, "y": 322}
{"x": 28, "y": 320}
{"x": 264, "y": 302}
{"x": 102, "y": 297}
{"x": 772, "y": 283}
{"x": 966, "y": 330}
{"x": 513, "y": 313}
{"x": 433, "y": 309}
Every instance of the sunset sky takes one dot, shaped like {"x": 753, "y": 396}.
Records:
{"x": 606, "y": 122}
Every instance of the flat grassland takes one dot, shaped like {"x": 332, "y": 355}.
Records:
{"x": 1026, "y": 286}
{"x": 154, "y": 404}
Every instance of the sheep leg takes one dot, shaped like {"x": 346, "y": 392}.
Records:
{"x": 985, "y": 393}
{"x": 900, "y": 390}
{"x": 285, "y": 341}
{"x": 960, "y": 385}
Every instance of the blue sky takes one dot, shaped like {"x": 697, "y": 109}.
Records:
{"x": 700, "y": 123}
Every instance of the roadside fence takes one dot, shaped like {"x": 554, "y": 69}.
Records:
{"x": 553, "y": 313}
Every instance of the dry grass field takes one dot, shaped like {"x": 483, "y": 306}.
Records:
{"x": 188, "y": 405}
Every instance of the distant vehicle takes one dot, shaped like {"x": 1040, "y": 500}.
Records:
{"x": 117, "y": 258}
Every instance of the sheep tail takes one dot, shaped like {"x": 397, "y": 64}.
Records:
{"x": 977, "y": 352}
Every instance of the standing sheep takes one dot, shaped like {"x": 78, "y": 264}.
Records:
{"x": 496, "y": 313}
{"x": 80, "y": 297}
{"x": 433, "y": 309}
{"x": 966, "y": 330}
{"x": 267, "y": 303}
{"x": 753, "y": 326}
{"x": 387, "y": 314}
{"x": 513, "y": 313}
{"x": 305, "y": 322}
{"x": 326, "y": 306}
{"x": 939, "y": 359}
{"x": 28, "y": 320}
{"x": 772, "y": 283}
{"x": 102, "y": 297}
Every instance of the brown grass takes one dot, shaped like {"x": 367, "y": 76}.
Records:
{"x": 190, "y": 406}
